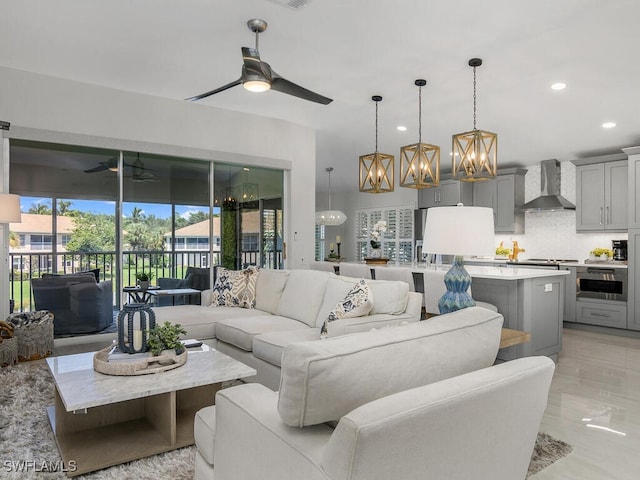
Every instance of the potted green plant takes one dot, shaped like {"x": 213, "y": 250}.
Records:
{"x": 166, "y": 337}
{"x": 143, "y": 279}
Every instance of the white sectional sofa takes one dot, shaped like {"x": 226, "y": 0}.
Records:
{"x": 291, "y": 306}
{"x": 395, "y": 402}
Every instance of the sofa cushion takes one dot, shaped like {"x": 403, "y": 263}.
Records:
{"x": 356, "y": 303}
{"x": 323, "y": 380}
{"x": 269, "y": 287}
{"x": 240, "y": 331}
{"x": 204, "y": 429}
{"x": 302, "y": 295}
{"x": 390, "y": 296}
{"x": 269, "y": 346}
{"x": 201, "y": 322}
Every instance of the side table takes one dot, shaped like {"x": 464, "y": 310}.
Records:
{"x": 139, "y": 295}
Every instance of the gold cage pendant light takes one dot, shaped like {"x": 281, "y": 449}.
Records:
{"x": 420, "y": 162}
{"x": 475, "y": 153}
{"x": 376, "y": 169}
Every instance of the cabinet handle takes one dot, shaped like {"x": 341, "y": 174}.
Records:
{"x": 600, "y": 315}
{"x": 600, "y": 215}
{"x": 607, "y": 219}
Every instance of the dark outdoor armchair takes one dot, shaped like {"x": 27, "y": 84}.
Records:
{"x": 196, "y": 278}
{"x": 78, "y": 302}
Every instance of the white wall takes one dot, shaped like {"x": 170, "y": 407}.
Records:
{"x": 56, "y": 110}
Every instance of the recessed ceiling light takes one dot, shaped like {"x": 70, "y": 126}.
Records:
{"x": 559, "y": 86}
{"x": 608, "y": 124}
{"x": 401, "y": 128}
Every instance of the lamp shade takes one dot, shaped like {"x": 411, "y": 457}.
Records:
{"x": 10, "y": 208}
{"x": 330, "y": 217}
{"x": 459, "y": 231}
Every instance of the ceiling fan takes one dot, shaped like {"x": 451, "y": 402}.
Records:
{"x": 139, "y": 173}
{"x": 257, "y": 76}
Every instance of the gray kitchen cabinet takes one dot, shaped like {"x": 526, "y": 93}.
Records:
{"x": 449, "y": 193}
{"x": 570, "y": 288}
{"x": 634, "y": 186}
{"x": 633, "y": 287}
{"x": 505, "y": 195}
{"x": 534, "y": 305}
{"x": 633, "y": 245}
{"x": 605, "y": 313}
{"x": 602, "y": 196}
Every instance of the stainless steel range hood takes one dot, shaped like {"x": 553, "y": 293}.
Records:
{"x": 550, "y": 198}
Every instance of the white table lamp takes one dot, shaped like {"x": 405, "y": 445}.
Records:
{"x": 459, "y": 231}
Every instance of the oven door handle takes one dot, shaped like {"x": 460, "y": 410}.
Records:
{"x": 610, "y": 271}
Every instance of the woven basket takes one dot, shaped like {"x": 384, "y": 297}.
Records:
{"x": 35, "y": 340}
{"x": 8, "y": 351}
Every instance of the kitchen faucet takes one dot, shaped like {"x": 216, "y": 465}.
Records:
{"x": 515, "y": 251}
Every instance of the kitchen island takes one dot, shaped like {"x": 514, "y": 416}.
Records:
{"x": 530, "y": 299}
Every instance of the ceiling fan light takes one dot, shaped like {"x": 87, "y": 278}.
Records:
{"x": 257, "y": 86}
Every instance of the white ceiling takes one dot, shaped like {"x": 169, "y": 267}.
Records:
{"x": 350, "y": 50}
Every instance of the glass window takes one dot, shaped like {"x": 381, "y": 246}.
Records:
{"x": 396, "y": 242}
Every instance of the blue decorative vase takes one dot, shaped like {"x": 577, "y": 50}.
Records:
{"x": 457, "y": 280}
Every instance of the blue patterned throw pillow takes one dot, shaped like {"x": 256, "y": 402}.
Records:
{"x": 357, "y": 303}
{"x": 222, "y": 289}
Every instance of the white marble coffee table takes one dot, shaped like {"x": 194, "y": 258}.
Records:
{"x": 102, "y": 420}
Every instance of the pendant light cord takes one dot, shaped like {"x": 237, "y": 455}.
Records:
{"x": 329, "y": 170}
{"x": 474, "y": 98}
{"x": 376, "y": 127}
{"x": 419, "y": 114}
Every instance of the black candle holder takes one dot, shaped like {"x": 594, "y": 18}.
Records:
{"x": 126, "y": 322}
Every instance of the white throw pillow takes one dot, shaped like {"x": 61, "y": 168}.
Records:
{"x": 357, "y": 303}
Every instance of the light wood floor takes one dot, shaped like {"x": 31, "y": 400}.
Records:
{"x": 594, "y": 405}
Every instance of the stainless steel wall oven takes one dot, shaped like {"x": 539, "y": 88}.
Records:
{"x": 601, "y": 282}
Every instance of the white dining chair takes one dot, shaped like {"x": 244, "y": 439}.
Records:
{"x": 356, "y": 270}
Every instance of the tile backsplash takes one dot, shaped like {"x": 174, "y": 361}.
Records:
{"x": 553, "y": 234}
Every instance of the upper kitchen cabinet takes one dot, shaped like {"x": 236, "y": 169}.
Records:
{"x": 449, "y": 193}
{"x": 602, "y": 194}
{"x": 634, "y": 186}
{"x": 505, "y": 195}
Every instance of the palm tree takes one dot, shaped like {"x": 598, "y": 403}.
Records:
{"x": 136, "y": 214}
{"x": 64, "y": 207}
{"x": 40, "y": 209}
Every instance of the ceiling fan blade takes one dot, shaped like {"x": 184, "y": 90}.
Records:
{"x": 213, "y": 92}
{"x": 99, "y": 168}
{"x": 285, "y": 86}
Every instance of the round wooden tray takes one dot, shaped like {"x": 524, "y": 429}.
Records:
{"x": 140, "y": 366}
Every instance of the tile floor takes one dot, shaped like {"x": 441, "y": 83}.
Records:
{"x": 594, "y": 404}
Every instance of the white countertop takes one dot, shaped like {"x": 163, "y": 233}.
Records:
{"x": 496, "y": 273}
{"x": 582, "y": 263}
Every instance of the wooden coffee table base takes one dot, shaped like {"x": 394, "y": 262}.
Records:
{"x": 120, "y": 432}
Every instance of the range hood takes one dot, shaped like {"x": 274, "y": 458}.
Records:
{"x": 550, "y": 198}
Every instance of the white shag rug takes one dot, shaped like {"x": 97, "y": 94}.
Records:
{"x": 25, "y": 436}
